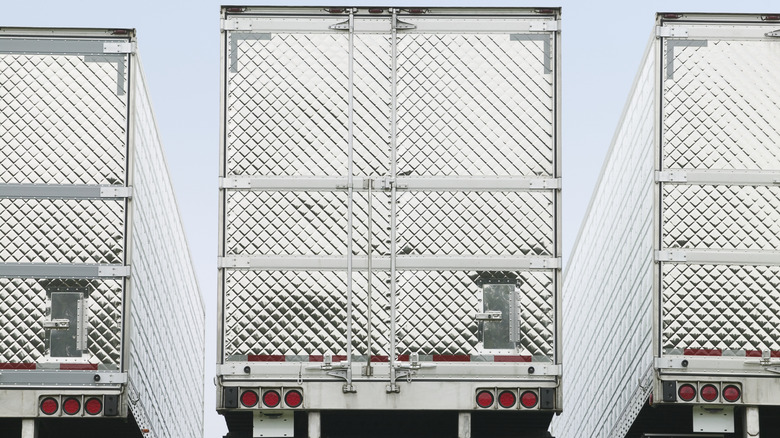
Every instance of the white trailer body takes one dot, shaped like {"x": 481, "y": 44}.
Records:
{"x": 97, "y": 291}
{"x": 674, "y": 298}
{"x": 390, "y": 213}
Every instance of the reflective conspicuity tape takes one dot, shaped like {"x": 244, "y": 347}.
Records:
{"x": 384, "y": 359}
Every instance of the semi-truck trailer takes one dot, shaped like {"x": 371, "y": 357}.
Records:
{"x": 672, "y": 299}
{"x": 101, "y": 318}
{"x": 389, "y": 258}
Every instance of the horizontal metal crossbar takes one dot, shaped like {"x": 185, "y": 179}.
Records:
{"x": 421, "y": 263}
{"x": 718, "y": 177}
{"x": 63, "y": 191}
{"x": 63, "y": 46}
{"x": 719, "y": 257}
{"x": 458, "y": 184}
{"x": 53, "y": 270}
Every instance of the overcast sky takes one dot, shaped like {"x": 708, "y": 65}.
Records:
{"x": 179, "y": 45}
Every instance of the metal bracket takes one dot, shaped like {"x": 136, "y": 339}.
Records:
{"x": 401, "y": 25}
{"x": 119, "y": 47}
{"x": 56, "y": 324}
{"x": 775, "y": 33}
{"x": 545, "y": 26}
{"x": 490, "y": 315}
{"x": 344, "y": 25}
{"x": 671, "y": 32}
{"x": 671, "y": 176}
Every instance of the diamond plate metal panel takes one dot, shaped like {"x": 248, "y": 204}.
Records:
{"x": 287, "y": 105}
{"x": 275, "y": 312}
{"x": 726, "y": 217}
{"x": 23, "y": 304}
{"x": 436, "y": 312}
{"x": 372, "y": 104}
{"x": 61, "y": 231}
{"x": 719, "y": 105}
{"x": 301, "y": 313}
{"x": 292, "y": 223}
{"x": 465, "y": 223}
{"x": 62, "y": 119}
{"x": 474, "y": 104}
{"x": 720, "y": 307}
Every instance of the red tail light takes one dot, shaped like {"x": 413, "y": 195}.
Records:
{"x": 417, "y": 10}
{"x": 507, "y": 399}
{"x": 671, "y": 16}
{"x": 271, "y": 399}
{"x": 49, "y": 406}
{"x": 529, "y": 399}
{"x": 709, "y": 393}
{"x": 484, "y": 399}
{"x": 686, "y": 392}
{"x": 731, "y": 393}
{"x": 771, "y": 17}
{"x": 93, "y": 406}
{"x": 335, "y": 10}
{"x": 293, "y": 398}
{"x": 249, "y": 398}
{"x": 375, "y": 10}
{"x": 71, "y": 406}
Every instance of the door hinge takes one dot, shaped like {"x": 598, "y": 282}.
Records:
{"x": 123, "y": 47}
{"x": 56, "y": 324}
{"x": 490, "y": 315}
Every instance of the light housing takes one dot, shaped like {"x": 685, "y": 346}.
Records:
{"x": 731, "y": 393}
{"x": 529, "y": 399}
{"x": 71, "y": 406}
{"x": 93, "y": 406}
{"x": 49, "y": 406}
{"x": 507, "y": 399}
{"x": 485, "y": 399}
{"x": 293, "y": 398}
{"x": 249, "y": 398}
{"x": 709, "y": 392}
{"x": 686, "y": 392}
{"x": 271, "y": 398}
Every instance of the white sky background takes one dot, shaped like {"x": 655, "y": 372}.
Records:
{"x": 603, "y": 41}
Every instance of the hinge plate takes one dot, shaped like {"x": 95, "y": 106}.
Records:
{"x": 545, "y": 26}
{"x": 123, "y": 47}
{"x": 671, "y": 32}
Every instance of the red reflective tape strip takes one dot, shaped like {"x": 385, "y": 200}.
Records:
{"x": 451, "y": 358}
{"x": 403, "y": 358}
{"x": 339, "y": 358}
{"x": 703, "y": 352}
{"x": 753, "y": 353}
{"x": 512, "y": 358}
{"x": 17, "y": 366}
{"x": 78, "y": 366}
{"x": 380, "y": 359}
{"x": 775, "y": 354}
{"x": 266, "y": 358}
{"x": 316, "y": 358}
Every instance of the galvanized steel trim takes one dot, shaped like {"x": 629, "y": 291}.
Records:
{"x": 718, "y": 177}
{"x": 456, "y": 184}
{"x": 51, "y": 270}
{"x": 423, "y": 263}
{"x": 66, "y": 378}
{"x": 719, "y": 257}
{"x": 63, "y": 46}
{"x": 63, "y": 191}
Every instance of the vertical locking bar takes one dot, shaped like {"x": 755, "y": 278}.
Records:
{"x": 350, "y": 194}
{"x": 368, "y": 370}
{"x": 393, "y": 387}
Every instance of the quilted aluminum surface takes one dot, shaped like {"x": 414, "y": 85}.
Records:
{"x": 61, "y": 231}
{"x": 462, "y": 110}
{"x": 720, "y": 110}
{"x": 719, "y": 113}
{"x": 463, "y": 223}
{"x": 725, "y": 217}
{"x": 62, "y": 120}
{"x": 288, "y": 106}
{"x": 23, "y": 308}
{"x": 468, "y": 105}
{"x": 726, "y": 307}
